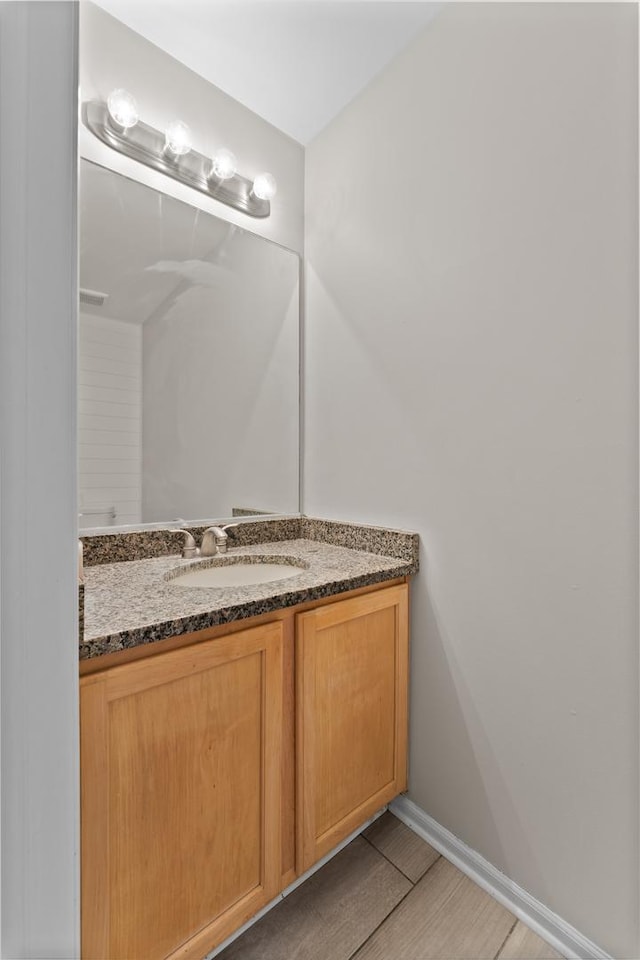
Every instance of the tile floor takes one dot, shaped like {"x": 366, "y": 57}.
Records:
{"x": 388, "y": 896}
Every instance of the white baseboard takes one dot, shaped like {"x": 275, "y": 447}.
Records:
{"x": 557, "y": 932}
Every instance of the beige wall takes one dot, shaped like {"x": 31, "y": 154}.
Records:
{"x": 112, "y": 55}
{"x": 471, "y": 373}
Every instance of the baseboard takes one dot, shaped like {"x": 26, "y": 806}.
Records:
{"x": 557, "y": 932}
{"x": 296, "y": 883}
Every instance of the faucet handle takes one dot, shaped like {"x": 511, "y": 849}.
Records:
{"x": 190, "y": 550}
{"x": 229, "y": 528}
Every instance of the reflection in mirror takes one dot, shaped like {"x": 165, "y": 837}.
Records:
{"x": 188, "y": 361}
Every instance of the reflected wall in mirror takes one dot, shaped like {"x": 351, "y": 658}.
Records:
{"x": 188, "y": 361}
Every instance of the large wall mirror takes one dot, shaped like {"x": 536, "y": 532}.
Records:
{"x": 188, "y": 361}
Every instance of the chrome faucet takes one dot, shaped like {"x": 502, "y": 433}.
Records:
{"x": 215, "y": 540}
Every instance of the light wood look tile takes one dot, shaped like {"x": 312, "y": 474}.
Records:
{"x": 524, "y": 944}
{"x": 404, "y": 848}
{"x": 445, "y": 915}
{"x": 329, "y": 916}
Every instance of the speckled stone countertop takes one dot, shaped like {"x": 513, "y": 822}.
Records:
{"x": 131, "y": 603}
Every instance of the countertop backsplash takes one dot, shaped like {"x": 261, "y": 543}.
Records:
{"x": 145, "y": 543}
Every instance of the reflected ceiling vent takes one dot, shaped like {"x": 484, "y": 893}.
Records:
{"x": 93, "y": 298}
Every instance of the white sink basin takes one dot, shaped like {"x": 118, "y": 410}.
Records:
{"x": 236, "y": 572}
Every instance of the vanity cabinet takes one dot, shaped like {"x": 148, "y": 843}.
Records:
{"x": 217, "y": 767}
{"x": 351, "y": 744}
{"x": 181, "y": 784}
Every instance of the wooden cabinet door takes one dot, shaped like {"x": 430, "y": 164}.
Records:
{"x": 351, "y": 670}
{"x": 181, "y": 783}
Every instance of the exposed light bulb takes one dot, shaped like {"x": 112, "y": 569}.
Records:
{"x": 123, "y": 109}
{"x": 178, "y": 138}
{"x": 224, "y": 164}
{"x": 265, "y": 186}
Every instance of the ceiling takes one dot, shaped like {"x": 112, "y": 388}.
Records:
{"x": 295, "y": 63}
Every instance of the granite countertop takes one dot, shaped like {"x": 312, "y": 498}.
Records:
{"x": 130, "y": 603}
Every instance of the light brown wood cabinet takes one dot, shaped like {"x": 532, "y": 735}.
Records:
{"x": 214, "y": 772}
{"x": 351, "y": 745}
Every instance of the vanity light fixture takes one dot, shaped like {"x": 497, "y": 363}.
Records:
{"x": 224, "y": 164}
{"x": 178, "y": 138}
{"x": 264, "y": 186}
{"x": 123, "y": 109}
{"x": 117, "y": 124}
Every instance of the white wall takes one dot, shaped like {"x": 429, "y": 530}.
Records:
{"x": 109, "y": 421}
{"x": 471, "y": 373}
{"x": 38, "y": 547}
{"x": 112, "y": 55}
